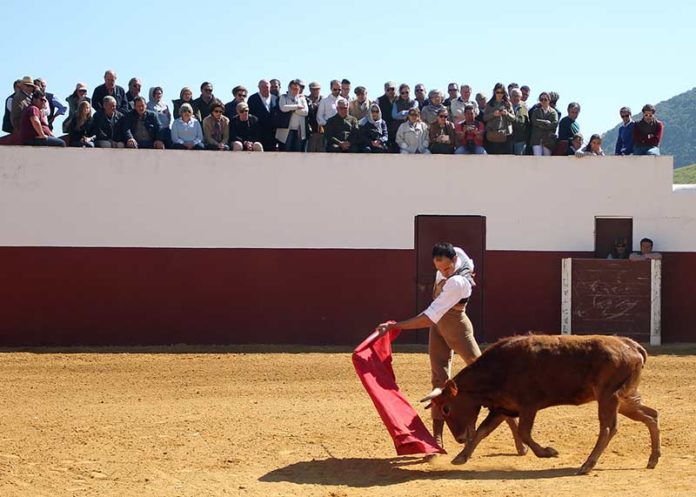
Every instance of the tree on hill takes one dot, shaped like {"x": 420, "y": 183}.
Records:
{"x": 679, "y": 139}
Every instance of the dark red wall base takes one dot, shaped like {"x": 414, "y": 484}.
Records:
{"x": 128, "y": 296}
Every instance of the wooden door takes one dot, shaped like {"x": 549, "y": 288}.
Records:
{"x": 467, "y": 232}
{"x": 607, "y": 229}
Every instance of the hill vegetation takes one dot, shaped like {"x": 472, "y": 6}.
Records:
{"x": 679, "y": 140}
{"x": 685, "y": 175}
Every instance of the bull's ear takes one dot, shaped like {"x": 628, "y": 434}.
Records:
{"x": 451, "y": 388}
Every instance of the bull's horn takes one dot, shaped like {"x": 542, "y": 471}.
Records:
{"x": 435, "y": 393}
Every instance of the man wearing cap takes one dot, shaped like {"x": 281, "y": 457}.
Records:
{"x": 261, "y": 104}
{"x": 21, "y": 100}
{"x": 110, "y": 88}
{"x": 74, "y": 100}
{"x": 315, "y": 142}
{"x": 55, "y": 108}
{"x": 33, "y": 127}
{"x": 239, "y": 93}
{"x": 341, "y": 130}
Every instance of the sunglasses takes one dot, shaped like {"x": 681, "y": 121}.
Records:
{"x": 625, "y": 115}
{"x": 244, "y": 111}
{"x": 217, "y": 111}
{"x": 242, "y": 95}
{"x": 207, "y": 89}
{"x": 391, "y": 89}
{"x": 403, "y": 92}
{"x": 420, "y": 90}
{"x": 443, "y": 116}
{"x": 500, "y": 93}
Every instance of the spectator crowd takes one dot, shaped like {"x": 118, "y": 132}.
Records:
{"x": 341, "y": 121}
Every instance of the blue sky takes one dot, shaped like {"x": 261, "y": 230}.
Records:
{"x": 601, "y": 54}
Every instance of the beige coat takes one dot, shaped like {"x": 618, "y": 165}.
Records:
{"x": 209, "y": 126}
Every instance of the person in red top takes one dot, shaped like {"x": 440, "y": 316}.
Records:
{"x": 33, "y": 127}
{"x": 470, "y": 133}
{"x": 647, "y": 133}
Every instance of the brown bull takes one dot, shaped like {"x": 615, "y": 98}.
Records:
{"x": 518, "y": 376}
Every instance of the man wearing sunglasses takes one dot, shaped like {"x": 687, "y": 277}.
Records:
{"x": 624, "y": 142}
{"x": 33, "y": 127}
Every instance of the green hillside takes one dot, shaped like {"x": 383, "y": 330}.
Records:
{"x": 679, "y": 115}
{"x": 685, "y": 175}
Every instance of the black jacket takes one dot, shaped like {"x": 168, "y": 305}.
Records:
{"x": 244, "y": 131}
{"x": 266, "y": 130}
{"x": 104, "y": 128}
{"x": 119, "y": 94}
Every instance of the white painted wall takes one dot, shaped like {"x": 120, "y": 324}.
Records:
{"x": 123, "y": 198}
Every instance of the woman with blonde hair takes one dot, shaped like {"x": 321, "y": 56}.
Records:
{"x": 80, "y": 128}
{"x": 186, "y": 131}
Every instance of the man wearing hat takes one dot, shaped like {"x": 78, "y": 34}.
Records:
{"x": 21, "y": 100}
{"x": 315, "y": 134}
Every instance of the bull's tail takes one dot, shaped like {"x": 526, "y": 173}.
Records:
{"x": 637, "y": 347}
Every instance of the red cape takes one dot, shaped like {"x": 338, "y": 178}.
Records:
{"x": 373, "y": 363}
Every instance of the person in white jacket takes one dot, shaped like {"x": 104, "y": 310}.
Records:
{"x": 412, "y": 135}
{"x": 294, "y": 137}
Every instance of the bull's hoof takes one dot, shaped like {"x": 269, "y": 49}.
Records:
{"x": 522, "y": 450}
{"x": 461, "y": 458}
{"x": 548, "y": 452}
{"x": 584, "y": 469}
{"x": 652, "y": 462}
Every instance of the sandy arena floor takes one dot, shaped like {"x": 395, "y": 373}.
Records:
{"x": 251, "y": 422}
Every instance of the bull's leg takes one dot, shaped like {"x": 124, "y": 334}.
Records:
{"x": 519, "y": 444}
{"x": 633, "y": 409}
{"x": 486, "y": 427}
{"x": 608, "y": 407}
{"x": 525, "y": 431}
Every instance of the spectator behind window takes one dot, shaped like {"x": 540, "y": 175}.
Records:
{"x": 293, "y": 138}
{"x": 412, "y": 136}
{"x": 372, "y": 134}
{"x": 646, "y": 251}
{"x": 544, "y": 121}
{"x": 647, "y": 133}
{"x": 74, "y": 99}
{"x": 594, "y": 147}
{"x": 80, "y": 133}
{"x": 187, "y": 133}
{"x": 619, "y": 249}
{"x": 216, "y": 128}
{"x": 245, "y": 131}
{"x": 499, "y": 117}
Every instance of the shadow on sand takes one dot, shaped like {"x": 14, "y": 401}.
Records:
{"x": 356, "y": 472}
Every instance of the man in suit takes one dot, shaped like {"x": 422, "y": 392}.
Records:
{"x": 261, "y": 105}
